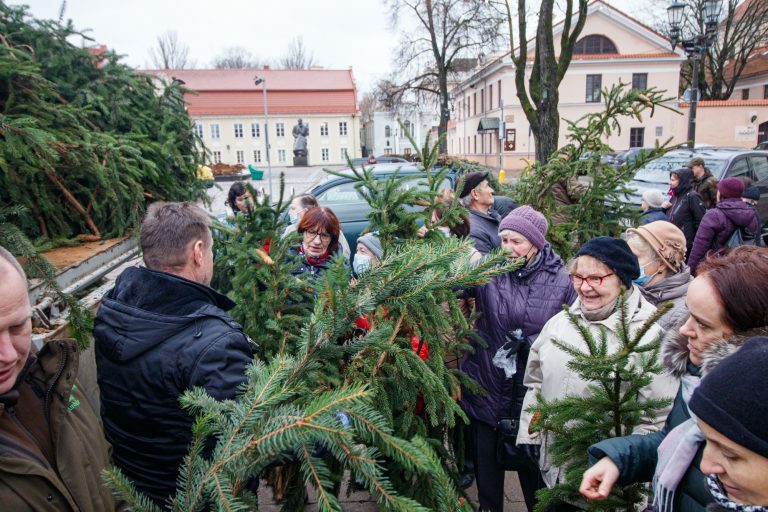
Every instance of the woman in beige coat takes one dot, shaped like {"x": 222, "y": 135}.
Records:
{"x": 602, "y": 268}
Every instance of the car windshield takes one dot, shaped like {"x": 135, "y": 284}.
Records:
{"x": 657, "y": 170}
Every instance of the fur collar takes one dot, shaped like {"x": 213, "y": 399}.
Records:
{"x": 674, "y": 349}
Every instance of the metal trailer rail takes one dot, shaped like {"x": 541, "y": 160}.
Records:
{"x": 74, "y": 279}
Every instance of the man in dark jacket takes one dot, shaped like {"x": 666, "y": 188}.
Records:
{"x": 52, "y": 449}
{"x": 159, "y": 332}
{"x": 703, "y": 182}
{"x": 477, "y": 197}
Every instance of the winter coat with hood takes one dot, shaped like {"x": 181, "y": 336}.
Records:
{"x": 670, "y": 289}
{"x": 156, "y": 336}
{"x": 548, "y": 374}
{"x": 687, "y": 208}
{"x": 522, "y": 299}
{"x": 484, "y": 230}
{"x": 636, "y": 455}
{"x": 69, "y": 478}
{"x": 718, "y": 225}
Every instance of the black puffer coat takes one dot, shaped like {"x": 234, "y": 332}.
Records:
{"x": 158, "y": 335}
{"x": 687, "y": 208}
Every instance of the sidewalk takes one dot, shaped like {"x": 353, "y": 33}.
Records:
{"x": 362, "y": 501}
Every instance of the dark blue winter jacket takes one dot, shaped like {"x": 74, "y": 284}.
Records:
{"x": 652, "y": 215}
{"x": 523, "y": 299}
{"x": 156, "y": 336}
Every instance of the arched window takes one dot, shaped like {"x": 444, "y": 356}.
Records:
{"x": 594, "y": 45}
{"x": 407, "y": 126}
{"x": 387, "y": 131}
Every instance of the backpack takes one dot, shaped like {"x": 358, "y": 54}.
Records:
{"x": 742, "y": 236}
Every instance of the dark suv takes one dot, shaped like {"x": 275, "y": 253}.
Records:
{"x": 723, "y": 162}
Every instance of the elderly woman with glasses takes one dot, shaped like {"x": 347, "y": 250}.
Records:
{"x": 602, "y": 269}
{"x": 320, "y": 231}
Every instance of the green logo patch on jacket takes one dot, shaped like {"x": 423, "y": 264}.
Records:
{"x": 73, "y": 402}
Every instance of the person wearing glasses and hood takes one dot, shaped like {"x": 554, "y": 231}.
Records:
{"x": 601, "y": 270}
{"x": 320, "y": 230}
{"x": 687, "y": 208}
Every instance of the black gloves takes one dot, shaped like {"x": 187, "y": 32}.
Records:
{"x": 515, "y": 339}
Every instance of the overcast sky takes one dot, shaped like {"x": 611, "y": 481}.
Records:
{"x": 340, "y": 33}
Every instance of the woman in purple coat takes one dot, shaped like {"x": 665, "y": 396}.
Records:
{"x": 720, "y": 222}
{"x": 523, "y": 299}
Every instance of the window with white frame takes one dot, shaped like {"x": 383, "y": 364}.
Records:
{"x": 280, "y": 129}
{"x": 342, "y": 127}
{"x": 238, "y": 130}
{"x": 636, "y": 137}
{"x": 325, "y": 154}
{"x": 323, "y": 129}
{"x": 281, "y": 155}
{"x": 217, "y": 157}
{"x": 343, "y": 154}
{"x": 199, "y": 130}
{"x": 594, "y": 82}
{"x": 240, "y": 155}
{"x": 215, "y": 134}
{"x": 255, "y": 130}
{"x": 257, "y": 155}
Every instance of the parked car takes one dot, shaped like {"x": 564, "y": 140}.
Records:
{"x": 629, "y": 156}
{"x": 722, "y": 162}
{"x": 340, "y": 195}
{"x": 762, "y": 145}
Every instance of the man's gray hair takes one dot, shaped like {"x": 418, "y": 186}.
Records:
{"x": 6, "y": 255}
{"x": 168, "y": 230}
{"x": 466, "y": 201}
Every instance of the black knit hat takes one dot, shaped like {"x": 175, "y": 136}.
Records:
{"x": 472, "y": 180}
{"x": 616, "y": 255}
{"x": 733, "y": 398}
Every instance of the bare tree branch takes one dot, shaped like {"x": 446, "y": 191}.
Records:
{"x": 235, "y": 57}
{"x": 298, "y": 57}
{"x": 170, "y": 53}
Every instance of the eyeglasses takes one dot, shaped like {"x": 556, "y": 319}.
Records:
{"x": 592, "y": 281}
{"x": 311, "y": 235}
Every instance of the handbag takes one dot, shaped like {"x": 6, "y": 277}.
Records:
{"x": 508, "y": 454}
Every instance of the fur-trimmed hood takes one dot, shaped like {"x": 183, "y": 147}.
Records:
{"x": 674, "y": 350}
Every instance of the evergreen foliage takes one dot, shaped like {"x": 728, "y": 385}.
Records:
{"x": 323, "y": 401}
{"x": 613, "y": 407}
{"x": 85, "y": 141}
{"x": 601, "y": 206}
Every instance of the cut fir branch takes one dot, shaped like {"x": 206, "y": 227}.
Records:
{"x": 612, "y": 408}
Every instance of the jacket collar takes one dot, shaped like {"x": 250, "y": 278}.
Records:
{"x": 669, "y": 288}
{"x": 674, "y": 349}
{"x": 491, "y": 215}
{"x": 634, "y": 302}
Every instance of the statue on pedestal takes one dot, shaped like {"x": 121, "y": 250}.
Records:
{"x": 300, "y": 134}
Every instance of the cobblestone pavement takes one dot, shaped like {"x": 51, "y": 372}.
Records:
{"x": 362, "y": 502}
{"x": 297, "y": 179}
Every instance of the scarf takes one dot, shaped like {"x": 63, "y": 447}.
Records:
{"x": 595, "y": 315}
{"x": 315, "y": 260}
{"x": 721, "y": 498}
{"x": 676, "y": 453}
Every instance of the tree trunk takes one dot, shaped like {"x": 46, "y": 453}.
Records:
{"x": 547, "y": 97}
{"x": 445, "y": 113}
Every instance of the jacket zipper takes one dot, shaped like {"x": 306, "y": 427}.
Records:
{"x": 62, "y": 364}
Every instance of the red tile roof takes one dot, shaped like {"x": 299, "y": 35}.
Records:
{"x": 232, "y": 91}
{"x": 277, "y": 79}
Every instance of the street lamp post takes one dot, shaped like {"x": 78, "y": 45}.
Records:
{"x": 695, "y": 45}
{"x": 263, "y": 82}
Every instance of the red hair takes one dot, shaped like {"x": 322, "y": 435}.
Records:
{"x": 322, "y": 220}
{"x": 740, "y": 278}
